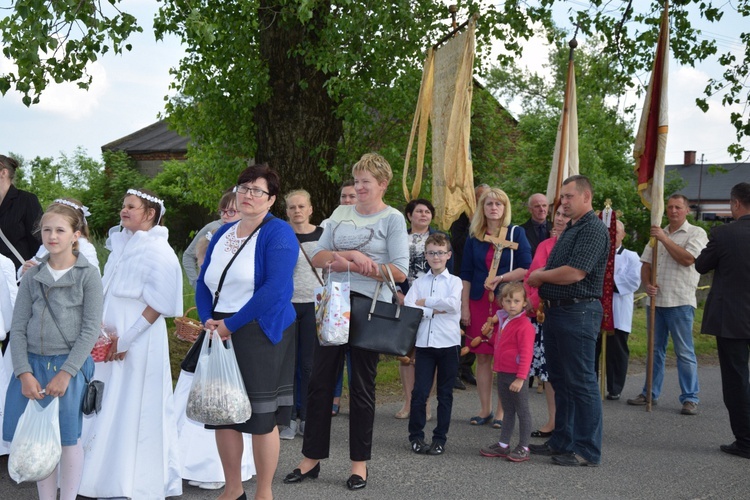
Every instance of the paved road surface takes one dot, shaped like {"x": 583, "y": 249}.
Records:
{"x": 661, "y": 455}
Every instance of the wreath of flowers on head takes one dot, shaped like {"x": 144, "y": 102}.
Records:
{"x": 152, "y": 199}
{"x": 81, "y": 208}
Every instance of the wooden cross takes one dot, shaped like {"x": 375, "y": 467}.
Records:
{"x": 500, "y": 242}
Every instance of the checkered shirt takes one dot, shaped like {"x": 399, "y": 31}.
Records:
{"x": 583, "y": 246}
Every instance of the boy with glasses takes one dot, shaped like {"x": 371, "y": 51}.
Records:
{"x": 438, "y": 294}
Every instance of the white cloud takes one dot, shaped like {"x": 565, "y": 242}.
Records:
{"x": 67, "y": 99}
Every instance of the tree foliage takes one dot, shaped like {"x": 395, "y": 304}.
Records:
{"x": 56, "y": 40}
{"x": 310, "y": 85}
{"x": 605, "y": 136}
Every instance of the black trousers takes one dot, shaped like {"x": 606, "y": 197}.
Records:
{"x": 618, "y": 355}
{"x": 734, "y": 355}
{"x": 307, "y": 339}
{"x": 327, "y": 363}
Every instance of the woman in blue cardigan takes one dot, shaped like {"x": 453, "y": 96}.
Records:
{"x": 254, "y": 308}
{"x": 492, "y": 215}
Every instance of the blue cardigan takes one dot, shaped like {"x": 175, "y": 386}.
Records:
{"x": 474, "y": 267}
{"x": 271, "y": 304}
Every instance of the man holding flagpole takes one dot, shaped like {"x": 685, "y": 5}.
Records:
{"x": 679, "y": 245}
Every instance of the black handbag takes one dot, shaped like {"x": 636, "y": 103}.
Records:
{"x": 190, "y": 363}
{"x": 382, "y": 327}
{"x": 92, "y": 394}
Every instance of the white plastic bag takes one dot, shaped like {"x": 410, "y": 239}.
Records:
{"x": 217, "y": 394}
{"x": 36, "y": 447}
{"x": 332, "y": 312}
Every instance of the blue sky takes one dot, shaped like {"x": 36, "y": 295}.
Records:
{"x": 128, "y": 92}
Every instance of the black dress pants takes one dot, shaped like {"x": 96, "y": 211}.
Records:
{"x": 327, "y": 363}
{"x": 618, "y": 355}
{"x": 734, "y": 355}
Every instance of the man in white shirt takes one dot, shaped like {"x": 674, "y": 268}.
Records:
{"x": 680, "y": 243}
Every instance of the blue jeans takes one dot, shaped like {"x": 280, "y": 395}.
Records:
{"x": 679, "y": 322}
{"x": 427, "y": 361}
{"x": 570, "y": 334}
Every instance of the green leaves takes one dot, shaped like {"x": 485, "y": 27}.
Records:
{"x": 55, "y": 41}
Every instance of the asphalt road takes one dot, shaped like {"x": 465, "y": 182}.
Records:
{"x": 661, "y": 455}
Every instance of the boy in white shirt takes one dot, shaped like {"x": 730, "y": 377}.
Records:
{"x": 438, "y": 294}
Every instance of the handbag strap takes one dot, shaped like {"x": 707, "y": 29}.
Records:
{"x": 315, "y": 271}
{"x": 11, "y": 247}
{"x": 391, "y": 284}
{"x": 229, "y": 264}
{"x": 54, "y": 318}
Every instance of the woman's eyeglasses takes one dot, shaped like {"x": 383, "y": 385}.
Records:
{"x": 254, "y": 191}
{"x": 227, "y": 213}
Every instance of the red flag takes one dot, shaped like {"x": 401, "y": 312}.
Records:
{"x": 651, "y": 140}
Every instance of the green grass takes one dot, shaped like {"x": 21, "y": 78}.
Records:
{"x": 705, "y": 345}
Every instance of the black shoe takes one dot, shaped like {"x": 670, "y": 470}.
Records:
{"x": 420, "y": 447}
{"x": 296, "y": 475}
{"x": 543, "y": 449}
{"x": 572, "y": 460}
{"x": 469, "y": 378}
{"x": 436, "y": 448}
{"x": 613, "y": 397}
{"x": 459, "y": 385}
{"x": 541, "y": 434}
{"x": 356, "y": 482}
{"x": 733, "y": 449}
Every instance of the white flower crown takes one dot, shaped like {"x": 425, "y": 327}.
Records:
{"x": 81, "y": 208}
{"x": 152, "y": 199}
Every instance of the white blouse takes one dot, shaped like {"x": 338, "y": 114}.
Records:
{"x": 239, "y": 283}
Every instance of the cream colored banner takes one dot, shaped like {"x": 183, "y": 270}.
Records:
{"x": 450, "y": 71}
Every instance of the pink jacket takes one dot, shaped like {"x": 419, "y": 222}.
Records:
{"x": 514, "y": 346}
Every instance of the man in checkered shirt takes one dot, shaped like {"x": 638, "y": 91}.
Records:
{"x": 570, "y": 286}
{"x": 679, "y": 245}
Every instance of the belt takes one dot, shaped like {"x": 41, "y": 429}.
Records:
{"x": 568, "y": 302}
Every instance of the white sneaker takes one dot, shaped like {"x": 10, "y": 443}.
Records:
{"x": 211, "y": 486}
{"x": 301, "y": 428}
{"x": 288, "y": 432}
{"x": 194, "y": 483}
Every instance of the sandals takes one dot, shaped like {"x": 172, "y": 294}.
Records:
{"x": 480, "y": 420}
{"x": 335, "y": 410}
{"x": 497, "y": 424}
{"x": 541, "y": 434}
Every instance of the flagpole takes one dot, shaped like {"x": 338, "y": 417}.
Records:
{"x": 649, "y": 149}
{"x": 562, "y": 158}
{"x": 651, "y": 326}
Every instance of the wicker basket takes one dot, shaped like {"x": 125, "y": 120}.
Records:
{"x": 187, "y": 329}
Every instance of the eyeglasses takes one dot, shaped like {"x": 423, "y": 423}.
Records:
{"x": 227, "y": 213}
{"x": 439, "y": 253}
{"x": 254, "y": 191}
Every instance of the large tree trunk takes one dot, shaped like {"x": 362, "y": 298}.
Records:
{"x": 297, "y": 127}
